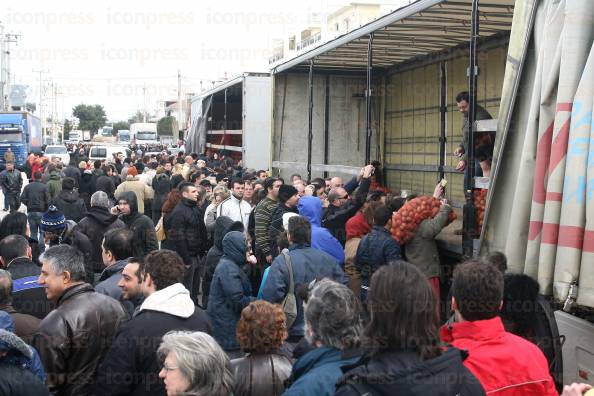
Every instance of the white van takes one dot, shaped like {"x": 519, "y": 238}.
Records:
{"x": 105, "y": 152}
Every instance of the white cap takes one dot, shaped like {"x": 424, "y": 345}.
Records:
{"x": 286, "y": 218}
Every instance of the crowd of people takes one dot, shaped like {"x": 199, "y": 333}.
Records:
{"x": 191, "y": 275}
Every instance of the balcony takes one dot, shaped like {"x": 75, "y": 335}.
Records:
{"x": 309, "y": 41}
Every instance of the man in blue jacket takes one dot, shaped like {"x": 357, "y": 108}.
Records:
{"x": 311, "y": 208}
{"x": 376, "y": 248}
{"x": 307, "y": 263}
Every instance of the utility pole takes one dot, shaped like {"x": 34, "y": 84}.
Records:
{"x": 5, "y": 40}
{"x": 40, "y": 104}
{"x": 144, "y": 105}
{"x": 180, "y": 124}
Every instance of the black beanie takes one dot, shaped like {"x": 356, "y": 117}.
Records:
{"x": 285, "y": 192}
{"x": 68, "y": 183}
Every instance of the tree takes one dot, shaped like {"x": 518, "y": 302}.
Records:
{"x": 118, "y": 126}
{"x": 67, "y": 129}
{"x": 91, "y": 117}
{"x": 137, "y": 117}
{"x": 166, "y": 126}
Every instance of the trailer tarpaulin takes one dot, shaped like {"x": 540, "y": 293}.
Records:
{"x": 196, "y": 138}
{"x": 551, "y": 226}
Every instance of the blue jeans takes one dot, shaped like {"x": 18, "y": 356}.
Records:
{"x": 35, "y": 227}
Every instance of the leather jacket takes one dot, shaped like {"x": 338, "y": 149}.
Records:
{"x": 260, "y": 375}
{"x": 74, "y": 338}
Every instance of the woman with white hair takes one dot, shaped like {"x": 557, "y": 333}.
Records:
{"x": 194, "y": 365}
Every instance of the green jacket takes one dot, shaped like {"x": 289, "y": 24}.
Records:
{"x": 54, "y": 184}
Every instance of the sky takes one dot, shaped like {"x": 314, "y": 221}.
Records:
{"x": 125, "y": 55}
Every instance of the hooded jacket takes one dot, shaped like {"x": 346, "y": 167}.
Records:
{"x": 404, "y": 373}
{"x": 504, "y": 363}
{"x": 311, "y": 208}
{"x": 162, "y": 186}
{"x": 73, "y": 339}
{"x": 230, "y": 291}
{"x": 223, "y": 225}
{"x": 69, "y": 202}
{"x": 73, "y": 237}
{"x": 133, "y": 354}
{"x": 54, "y": 184}
{"x": 94, "y": 225}
{"x": 18, "y": 352}
{"x": 142, "y": 227}
{"x": 106, "y": 184}
{"x": 140, "y": 189}
{"x": 316, "y": 372}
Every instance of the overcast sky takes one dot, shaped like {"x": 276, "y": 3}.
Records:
{"x": 112, "y": 52}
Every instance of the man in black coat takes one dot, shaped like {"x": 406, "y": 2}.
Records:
{"x": 95, "y": 224}
{"x": 167, "y": 307}
{"x": 73, "y": 172}
{"x": 28, "y": 296}
{"x": 143, "y": 228}
{"x": 36, "y": 197}
{"x": 342, "y": 208}
{"x": 69, "y": 202}
{"x": 106, "y": 182}
{"x": 186, "y": 231}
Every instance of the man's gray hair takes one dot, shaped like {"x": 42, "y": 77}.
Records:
{"x": 201, "y": 360}
{"x": 65, "y": 258}
{"x": 5, "y": 287}
{"x": 334, "y": 315}
{"x": 100, "y": 199}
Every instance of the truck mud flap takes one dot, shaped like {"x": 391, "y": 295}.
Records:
{"x": 548, "y": 339}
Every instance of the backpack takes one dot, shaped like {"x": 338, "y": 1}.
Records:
{"x": 289, "y": 303}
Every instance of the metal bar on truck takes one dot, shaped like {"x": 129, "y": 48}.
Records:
{"x": 310, "y": 124}
{"x": 442, "y": 118}
{"x": 327, "y": 124}
{"x": 368, "y": 101}
{"x": 469, "y": 218}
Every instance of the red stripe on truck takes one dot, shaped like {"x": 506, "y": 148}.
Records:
{"x": 565, "y": 236}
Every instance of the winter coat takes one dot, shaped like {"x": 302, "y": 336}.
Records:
{"x": 223, "y": 225}
{"x": 108, "y": 281}
{"x": 375, "y": 249}
{"x": 28, "y": 296}
{"x": 316, "y": 372}
{"x": 73, "y": 339}
{"x": 54, "y": 184}
{"x": 94, "y": 225}
{"x": 69, "y": 202}
{"x": 260, "y": 374}
{"x": 12, "y": 182}
{"x": 142, "y": 227}
{"x": 106, "y": 184}
{"x": 504, "y": 363}
{"x": 73, "y": 237}
{"x": 276, "y": 225}
{"x": 308, "y": 264}
{"x": 404, "y": 373}
{"x": 335, "y": 218}
{"x": 24, "y": 325}
{"x": 17, "y": 351}
{"x": 142, "y": 191}
{"x": 36, "y": 197}
{"x": 133, "y": 354}
{"x": 74, "y": 173}
{"x": 230, "y": 291}
{"x": 185, "y": 230}
{"x": 16, "y": 381}
{"x": 162, "y": 186}
{"x": 311, "y": 209}
{"x": 263, "y": 217}
{"x": 237, "y": 210}
{"x": 85, "y": 188}
{"x": 421, "y": 250}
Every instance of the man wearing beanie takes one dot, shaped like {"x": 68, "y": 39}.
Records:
{"x": 69, "y": 202}
{"x": 288, "y": 197}
{"x": 60, "y": 231}
{"x": 133, "y": 184}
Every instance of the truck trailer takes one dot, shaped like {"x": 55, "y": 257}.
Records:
{"x": 386, "y": 91}
{"x": 234, "y": 118}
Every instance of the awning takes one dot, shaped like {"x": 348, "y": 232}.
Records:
{"x": 416, "y": 30}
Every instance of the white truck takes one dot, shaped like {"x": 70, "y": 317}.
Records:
{"x": 75, "y": 136}
{"x": 144, "y": 133}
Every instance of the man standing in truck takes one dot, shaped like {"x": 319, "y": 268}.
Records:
{"x": 482, "y": 153}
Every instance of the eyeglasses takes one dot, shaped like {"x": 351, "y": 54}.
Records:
{"x": 169, "y": 369}
{"x": 345, "y": 197}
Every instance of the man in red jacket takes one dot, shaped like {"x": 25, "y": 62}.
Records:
{"x": 505, "y": 364}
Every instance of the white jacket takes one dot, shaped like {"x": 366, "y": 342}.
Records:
{"x": 236, "y": 210}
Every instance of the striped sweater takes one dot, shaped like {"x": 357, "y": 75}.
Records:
{"x": 263, "y": 216}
